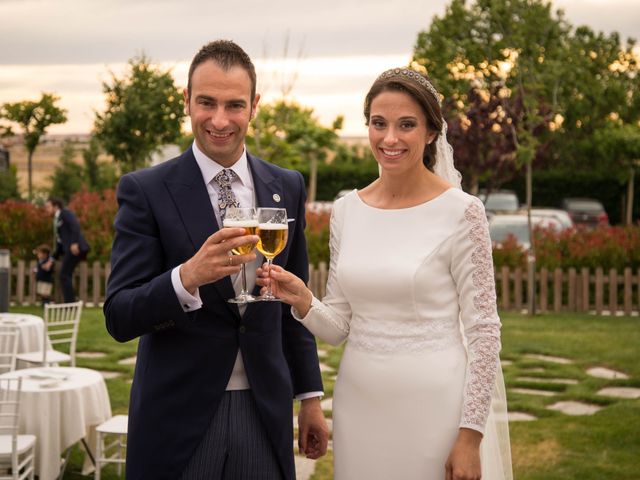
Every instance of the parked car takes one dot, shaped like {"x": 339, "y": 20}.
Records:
{"x": 587, "y": 212}
{"x": 500, "y": 201}
{"x": 502, "y": 226}
{"x": 561, "y": 215}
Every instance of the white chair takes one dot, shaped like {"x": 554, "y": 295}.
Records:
{"x": 9, "y": 337}
{"x": 61, "y": 321}
{"x": 17, "y": 452}
{"x": 111, "y": 443}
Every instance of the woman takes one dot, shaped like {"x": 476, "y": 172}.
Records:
{"x": 411, "y": 287}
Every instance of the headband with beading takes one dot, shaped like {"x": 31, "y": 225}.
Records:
{"x": 411, "y": 75}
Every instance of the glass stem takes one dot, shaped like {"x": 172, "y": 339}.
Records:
{"x": 269, "y": 293}
{"x": 243, "y": 272}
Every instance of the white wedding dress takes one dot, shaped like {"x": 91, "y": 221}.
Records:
{"x": 401, "y": 284}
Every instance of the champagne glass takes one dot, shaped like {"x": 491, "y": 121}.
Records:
{"x": 245, "y": 218}
{"x": 273, "y": 230}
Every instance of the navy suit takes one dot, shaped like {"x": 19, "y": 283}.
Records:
{"x": 68, "y": 230}
{"x": 185, "y": 359}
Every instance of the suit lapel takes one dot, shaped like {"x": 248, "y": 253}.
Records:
{"x": 268, "y": 187}
{"x": 192, "y": 201}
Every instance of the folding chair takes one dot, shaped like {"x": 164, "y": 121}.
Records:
{"x": 111, "y": 443}
{"x": 8, "y": 348}
{"x": 61, "y": 327}
{"x": 17, "y": 452}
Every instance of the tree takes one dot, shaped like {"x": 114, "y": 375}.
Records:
{"x": 620, "y": 143}
{"x": 482, "y": 139}
{"x": 67, "y": 178}
{"x": 144, "y": 111}
{"x": 33, "y": 118}
{"x": 98, "y": 175}
{"x": 9, "y": 184}
{"x": 288, "y": 134}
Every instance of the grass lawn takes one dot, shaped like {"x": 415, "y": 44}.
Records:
{"x": 556, "y": 446}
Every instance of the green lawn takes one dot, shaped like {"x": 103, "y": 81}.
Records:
{"x": 554, "y": 447}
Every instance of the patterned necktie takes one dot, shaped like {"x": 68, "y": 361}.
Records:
{"x": 226, "y": 197}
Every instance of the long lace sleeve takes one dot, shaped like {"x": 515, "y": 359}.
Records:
{"x": 329, "y": 319}
{"x": 472, "y": 269}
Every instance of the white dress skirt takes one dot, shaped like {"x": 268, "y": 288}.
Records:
{"x": 412, "y": 293}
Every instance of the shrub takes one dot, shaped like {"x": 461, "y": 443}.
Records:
{"x": 96, "y": 213}
{"x": 23, "y": 227}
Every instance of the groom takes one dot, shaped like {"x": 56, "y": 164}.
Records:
{"x": 213, "y": 384}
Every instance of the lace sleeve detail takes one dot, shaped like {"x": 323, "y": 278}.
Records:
{"x": 472, "y": 267}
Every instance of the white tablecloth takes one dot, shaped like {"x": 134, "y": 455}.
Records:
{"x": 60, "y": 405}
{"x": 31, "y": 329}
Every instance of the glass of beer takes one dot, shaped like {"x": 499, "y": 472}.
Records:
{"x": 246, "y": 218}
{"x": 273, "y": 230}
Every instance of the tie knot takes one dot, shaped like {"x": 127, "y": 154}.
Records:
{"x": 225, "y": 177}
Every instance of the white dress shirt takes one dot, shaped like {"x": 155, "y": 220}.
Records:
{"x": 243, "y": 189}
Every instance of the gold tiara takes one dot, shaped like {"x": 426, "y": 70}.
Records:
{"x": 411, "y": 75}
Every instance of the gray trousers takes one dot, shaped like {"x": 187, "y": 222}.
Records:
{"x": 236, "y": 446}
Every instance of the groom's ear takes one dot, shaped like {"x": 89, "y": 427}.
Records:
{"x": 186, "y": 96}
{"x": 254, "y": 106}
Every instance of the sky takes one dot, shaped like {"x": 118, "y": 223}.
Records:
{"x": 329, "y": 52}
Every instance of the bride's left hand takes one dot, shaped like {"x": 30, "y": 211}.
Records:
{"x": 464, "y": 460}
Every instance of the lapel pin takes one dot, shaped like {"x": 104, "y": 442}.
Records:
{"x": 276, "y": 197}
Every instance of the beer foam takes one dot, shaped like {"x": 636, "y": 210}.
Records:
{"x": 240, "y": 223}
{"x": 273, "y": 226}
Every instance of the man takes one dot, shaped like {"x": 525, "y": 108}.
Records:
{"x": 213, "y": 384}
{"x": 68, "y": 243}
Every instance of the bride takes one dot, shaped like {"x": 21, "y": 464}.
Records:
{"x": 411, "y": 288}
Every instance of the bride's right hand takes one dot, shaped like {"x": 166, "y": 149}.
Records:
{"x": 286, "y": 286}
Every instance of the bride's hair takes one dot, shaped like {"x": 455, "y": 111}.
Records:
{"x": 419, "y": 87}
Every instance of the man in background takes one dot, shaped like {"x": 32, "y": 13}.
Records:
{"x": 69, "y": 244}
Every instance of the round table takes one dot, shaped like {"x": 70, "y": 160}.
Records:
{"x": 61, "y": 406}
{"x": 31, "y": 329}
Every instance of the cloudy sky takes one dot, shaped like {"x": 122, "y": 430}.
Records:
{"x": 335, "y": 48}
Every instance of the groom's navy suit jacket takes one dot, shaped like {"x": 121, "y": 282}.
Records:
{"x": 185, "y": 359}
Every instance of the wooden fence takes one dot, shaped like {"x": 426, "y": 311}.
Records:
{"x": 559, "y": 290}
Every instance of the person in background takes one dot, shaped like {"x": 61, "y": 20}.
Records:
{"x": 411, "y": 289}
{"x": 69, "y": 244}
{"x": 213, "y": 388}
{"x": 44, "y": 272}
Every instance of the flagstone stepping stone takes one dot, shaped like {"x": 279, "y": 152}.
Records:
{"x": 521, "y": 417}
{"x": 506, "y": 363}
{"x": 127, "y": 361}
{"x": 91, "y": 354}
{"x": 602, "y": 372}
{"x": 531, "y": 391}
{"x": 326, "y": 368}
{"x": 549, "y": 358}
{"x": 564, "y": 381}
{"x": 571, "y": 407}
{"x": 620, "y": 392}
{"x": 322, "y": 353}
{"x": 327, "y": 404}
{"x": 107, "y": 375}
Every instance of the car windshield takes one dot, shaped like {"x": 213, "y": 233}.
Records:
{"x": 499, "y": 232}
{"x": 501, "y": 201}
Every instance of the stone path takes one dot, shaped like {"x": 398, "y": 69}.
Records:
{"x": 575, "y": 408}
{"x": 602, "y": 372}
{"x": 620, "y": 392}
{"x": 548, "y": 358}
